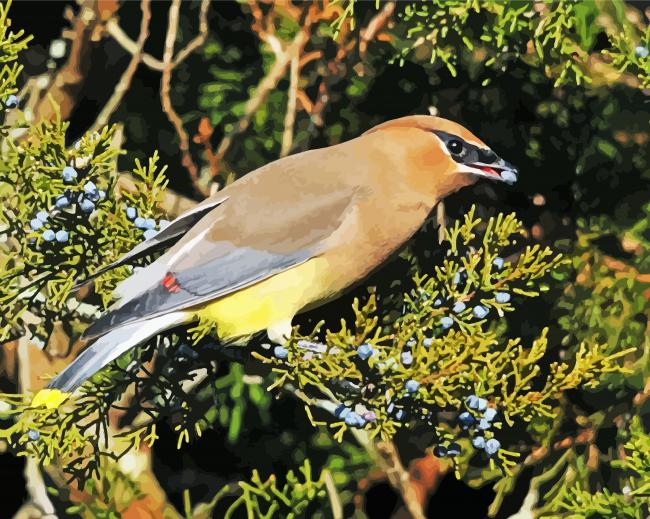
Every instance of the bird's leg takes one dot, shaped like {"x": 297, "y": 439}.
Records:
{"x": 280, "y": 332}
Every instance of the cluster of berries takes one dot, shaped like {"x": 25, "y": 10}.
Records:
{"x": 148, "y": 225}
{"x": 479, "y": 424}
{"x": 478, "y": 420}
{"x": 352, "y": 418}
{"x": 85, "y": 200}
{"x": 478, "y": 311}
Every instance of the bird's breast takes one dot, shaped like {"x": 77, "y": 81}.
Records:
{"x": 272, "y": 300}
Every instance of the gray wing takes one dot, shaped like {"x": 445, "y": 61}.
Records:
{"x": 165, "y": 238}
{"x": 197, "y": 285}
{"x": 210, "y": 269}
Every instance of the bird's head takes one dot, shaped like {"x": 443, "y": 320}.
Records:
{"x": 444, "y": 154}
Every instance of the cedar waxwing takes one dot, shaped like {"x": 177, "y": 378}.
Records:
{"x": 287, "y": 237}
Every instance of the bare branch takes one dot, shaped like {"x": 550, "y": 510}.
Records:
{"x": 70, "y": 78}
{"x": 290, "y": 115}
{"x": 117, "y": 33}
{"x": 268, "y": 83}
{"x": 399, "y": 477}
{"x": 199, "y": 39}
{"x": 165, "y": 89}
{"x": 113, "y": 28}
{"x": 125, "y": 81}
{"x": 375, "y": 25}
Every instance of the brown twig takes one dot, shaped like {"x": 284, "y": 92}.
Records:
{"x": 203, "y": 137}
{"x": 34, "y": 482}
{"x": 125, "y": 81}
{"x": 113, "y": 29}
{"x": 165, "y": 89}
{"x": 290, "y": 115}
{"x": 399, "y": 478}
{"x": 268, "y": 83}
{"x": 199, "y": 39}
{"x": 70, "y": 78}
{"x": 376, "y": 24}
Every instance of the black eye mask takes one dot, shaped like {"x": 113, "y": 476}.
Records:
{"x": 465, "y": 153}
{"x": 483, "y": 159}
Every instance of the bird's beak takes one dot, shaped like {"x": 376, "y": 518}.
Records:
{"x": 500, "y": 170}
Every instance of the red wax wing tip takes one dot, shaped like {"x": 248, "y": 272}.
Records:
{"x": 170, "y": 283}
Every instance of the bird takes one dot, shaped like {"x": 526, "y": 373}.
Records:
{"x": 285, "y": 238}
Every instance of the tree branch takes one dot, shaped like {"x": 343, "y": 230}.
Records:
{"x": 268, "y": 83}
{"x": 117, "y": 33}
{"x": 125, "y": 81}
{"x": 165, "y": 89}
{"x": 199, "y": 39}
{"x": 290, "y": 115}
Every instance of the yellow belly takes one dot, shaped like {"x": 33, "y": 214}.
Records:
{"x": 273, "y": 300}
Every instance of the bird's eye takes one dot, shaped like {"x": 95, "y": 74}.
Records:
{"x": 455, "y": 146}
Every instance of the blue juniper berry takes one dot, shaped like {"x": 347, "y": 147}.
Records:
{"x": 69, "y": 174}
{"x": 478, "y": 442}
{"x": 49, "y": 235}
{"x": 458, "y": 307}
{"x": 90, "y": 187}
{"x": 498, "y": 263}
{"x": 474, "y": 402}
{"x": 446, "y": 322}
{"x": 440, "y": 451}
{"x": 86, "y": 206}
{"x": 342, "y": 411}
{"x": 490, "y": 414}
{"x": 412, "y": 386}
{"x": 354, "y": 420}
{"x": 365, "y": 351}
{"x": 140, "y": 223}
{"x": 280, "y": 352}
{"x": 492, "y": 446}
{"x": 62, "y": 202}
{"x": 407, "y": 358}
{"x": 35, "y": 224}
{"x": 466, "y": 419}
{"x": 453, "y": 449}
{"x": 480, "y": 311}
{"x": 484, "y": 424}
{"x": 62, "y": 236}
{"x": 502, "y": 297}
{"x": 131, "y": 213}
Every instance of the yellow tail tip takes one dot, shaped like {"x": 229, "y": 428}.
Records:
{"x": 50, "y": 398}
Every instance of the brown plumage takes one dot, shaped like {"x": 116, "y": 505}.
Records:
{"x": 290, "y": 236}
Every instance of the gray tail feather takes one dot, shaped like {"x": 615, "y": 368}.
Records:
{"x": 109, "y": 347}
